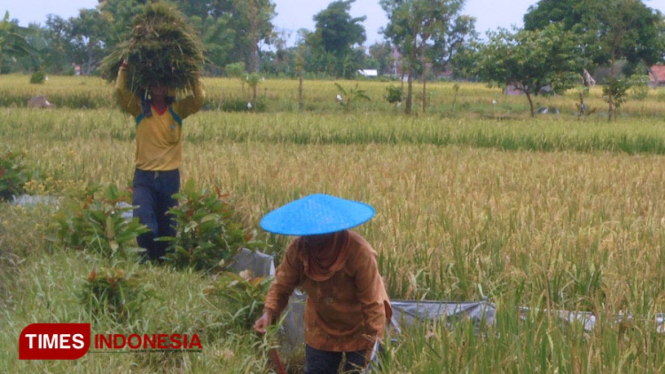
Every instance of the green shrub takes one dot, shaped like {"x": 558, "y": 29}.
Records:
{"x": 241, "y": 294}
{"x": 393, "y": 94}
{"x": 639, "y": 86}
{"x": 615, "y": 93}
{"x": 13, "y": 175}
{"x": 96, "y": 223}
{"x": 38, "y": 77}
{"x": 235, "y": 70}
{"x": 114, "y": 293}
{"x": 209, "y": 232}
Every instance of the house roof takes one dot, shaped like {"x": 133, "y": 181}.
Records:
{"x": 657, "y": 73}
{"x": 369, "y": 72}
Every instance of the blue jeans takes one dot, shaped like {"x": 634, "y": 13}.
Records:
{"x": 153, "y": 194}
{"x": 325, "y": 362}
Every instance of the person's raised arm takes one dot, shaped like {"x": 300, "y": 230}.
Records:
{"x": 128, "y": 101}
{"x": 192, "y": 103}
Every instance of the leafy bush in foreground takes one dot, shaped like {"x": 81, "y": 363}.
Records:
{"x": 96, "y": 223}
{"x": 113, "y": 292}
{"x": 209, "y": 232}
{"x": 241, "y": 294}
{"x": 13, "y": 175}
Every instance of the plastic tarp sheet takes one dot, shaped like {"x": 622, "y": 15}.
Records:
{"x": 29, "y": 200}
{"x": 260, "y": 264}
{"x": 405, "y": 313}
{"x": 409, "y": 312}
{"x": 588, "y": 319}
{"x": 32, "y": 200}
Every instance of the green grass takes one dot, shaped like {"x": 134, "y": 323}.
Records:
{"x": 43, "y": 288}
{"x": 634, "y": 136}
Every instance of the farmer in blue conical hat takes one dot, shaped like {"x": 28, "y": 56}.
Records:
{"x": 347, "y": 305}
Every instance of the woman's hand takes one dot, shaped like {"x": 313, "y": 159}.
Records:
{"x": 370, "y": 353}
{"x": 263, "y": 322}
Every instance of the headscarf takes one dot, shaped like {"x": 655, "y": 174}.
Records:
{"x": 323, "y": 255}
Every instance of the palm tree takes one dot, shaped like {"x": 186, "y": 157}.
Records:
{"x": 11, "y": 42}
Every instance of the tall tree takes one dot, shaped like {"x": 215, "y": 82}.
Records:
{"x": 631, "y": 30}
{"x": 248, "y": 22}
{"x": 627, "y": 31}
{"x": 569, "y": 13}
{"x": 458, "y": 38}
{"x": 531, "y": 60}
{"x": 120, "y": 14}
{"x": 282, "y": 59}
{"x": 607, "y": 30}
{"x": 381, "y": 55}
{"x": 59, "y": 50}
{"x": 336, "y": 34}
{"x": 37, "y": 38}
{"x": 258, "y": 14}
{"x": 218, "y": 39}
{"x": 88, "y": 32}
{"x": 12, "y": 40}
{"x": 412, "y": 24}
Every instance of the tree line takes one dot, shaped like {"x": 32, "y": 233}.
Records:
{"x": 233, "y": 32}
{"x": 423, "y": 39}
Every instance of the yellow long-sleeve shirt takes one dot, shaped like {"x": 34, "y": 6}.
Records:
{"x": 159, "y": 136}
{"x": 344, "y": 313}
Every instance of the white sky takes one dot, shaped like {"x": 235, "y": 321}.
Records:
{"x": 293, "y": 15}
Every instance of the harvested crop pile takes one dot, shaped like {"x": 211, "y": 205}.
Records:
{"x": 163, "y": 50}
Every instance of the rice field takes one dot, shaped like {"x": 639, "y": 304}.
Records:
{"x": 472, "y": 100}
{"x": 557, "y": 212}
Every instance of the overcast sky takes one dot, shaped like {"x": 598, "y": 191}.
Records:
{"x": 293, "y": 15}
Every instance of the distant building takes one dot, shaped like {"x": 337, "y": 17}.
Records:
{"x": 657, "y": 76}
{"x": 512, "y": 90}
{"x": 368, "y": 72}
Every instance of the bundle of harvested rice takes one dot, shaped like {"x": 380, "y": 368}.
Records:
{"x": 163, "y": 50}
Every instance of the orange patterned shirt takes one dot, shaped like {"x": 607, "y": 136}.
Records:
{"x": 346, "y": 312}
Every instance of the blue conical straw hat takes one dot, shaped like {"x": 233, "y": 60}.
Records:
{"x": 316, "y": 214}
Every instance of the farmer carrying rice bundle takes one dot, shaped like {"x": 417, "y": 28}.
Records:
{"x": 161, "y": 59}
{"x": 347, "y": 305}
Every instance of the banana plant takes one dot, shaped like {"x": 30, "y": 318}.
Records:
{"x": 354, "y": 94}
{"x": 11, "y": 42}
